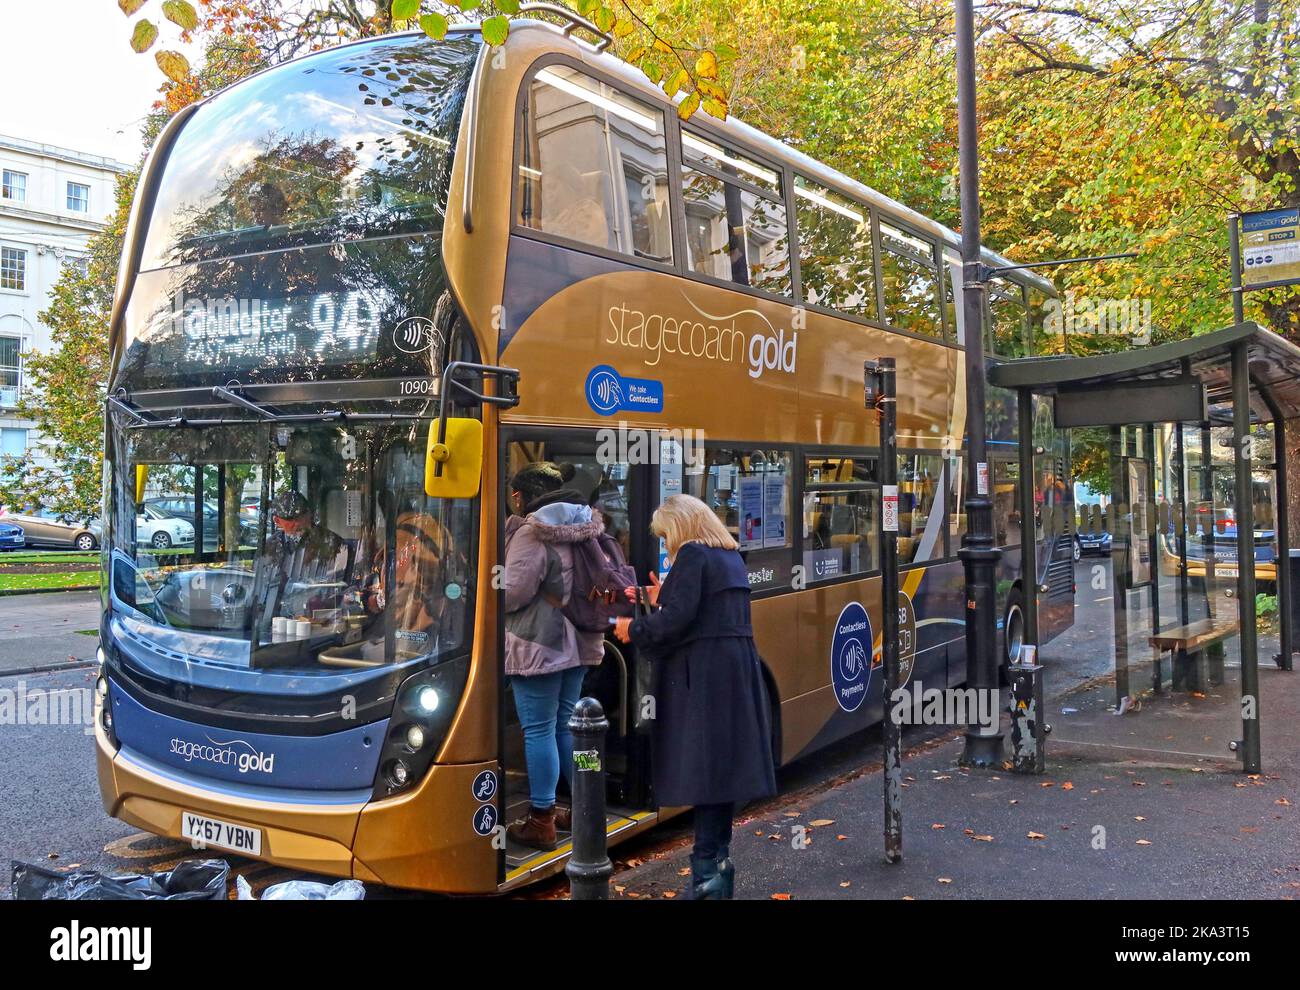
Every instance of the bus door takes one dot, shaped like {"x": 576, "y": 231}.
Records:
{"x": 617, "y": 492}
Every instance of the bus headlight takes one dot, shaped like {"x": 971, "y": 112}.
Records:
{"x": 425, "y": 705}
{"x": 427, "y": 700}
{"x": 414, "y": 738}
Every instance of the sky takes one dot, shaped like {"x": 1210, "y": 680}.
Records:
{"x": 72, "y": 78}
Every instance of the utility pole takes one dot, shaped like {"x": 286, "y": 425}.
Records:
{"x": 979, "y": 554}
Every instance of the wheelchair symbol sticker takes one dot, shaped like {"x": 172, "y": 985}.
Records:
{"x": 485, "y": 819}
{"x": 485, "y": 785}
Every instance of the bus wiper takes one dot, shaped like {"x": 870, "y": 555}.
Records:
{"x": 119, "y": 403}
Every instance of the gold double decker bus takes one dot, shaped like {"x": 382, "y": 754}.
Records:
{"x": 360, "y": 290}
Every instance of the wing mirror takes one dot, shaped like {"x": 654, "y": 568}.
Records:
{"x": 453, "y": 465}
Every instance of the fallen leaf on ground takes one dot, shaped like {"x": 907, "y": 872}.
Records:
{"x": 1144, "y": 842}
{"x": 780, "y": 897}
{"x": 945, "y": 879}
{"x": 936, "y": 826}
{"x": 1046, "y": 783}
{"x": 1283, "y": 801}
{"x": 670, "y": 893}
{"x": 908, "y": 897}
{"x": 684, "y": 872}
{"x": 821, "y": 822}
{"x": 845, "y": 883}
{"x": 982, "y": 838}
{"x": 1067, "y": 786}
{"x": 841, "y": 838}
{"x": 1036, "y": 835}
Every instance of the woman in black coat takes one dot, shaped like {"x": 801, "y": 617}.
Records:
{"x": 712, "y": 729}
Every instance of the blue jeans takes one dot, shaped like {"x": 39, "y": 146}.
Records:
{"x": 545, "y": 703}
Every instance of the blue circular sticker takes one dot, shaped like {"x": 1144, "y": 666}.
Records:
{"x": 485, "y": 785}
{"x": 485, "y": 819}
{"x": 851, "y": 656}
{"x": 604, "y": 390}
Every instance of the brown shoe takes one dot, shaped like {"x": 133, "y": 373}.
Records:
{"x": 537, "y": 831}
{"x": 563, "y": 819}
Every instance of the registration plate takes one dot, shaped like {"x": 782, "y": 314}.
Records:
{"x": 211, "y": 832}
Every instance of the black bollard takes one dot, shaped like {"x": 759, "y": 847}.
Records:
{"x": 589, "y": 868}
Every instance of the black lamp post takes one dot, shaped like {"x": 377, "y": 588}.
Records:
{"x": 979, "y": 553}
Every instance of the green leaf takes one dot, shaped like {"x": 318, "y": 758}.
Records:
{"x": 686, "y": 109}
{"x": 181, "y": 13}
{"x": 174, "y": 65}
{"x": 653, "y": 70}
{"x": 467, "y": 5}
{"x": 508, "y": 6}
{"x": 129, "y": 7}
{"x": 495, "y": 30}
{"x": 404, "y": 10}
{"x": 585, "y": 7}
{"x": 144, "y": 35}
{"x": 605, "y": 19}
{"x": 715, "y": 108}
{"x": 434, "y": 25}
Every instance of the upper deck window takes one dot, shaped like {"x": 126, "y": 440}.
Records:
{"x": 1007, "y": 319}
{"x": 836, "y": 262}
{"x": 346, "y": 144}
{"x": 910, "y": 277}
{"x": 593, "y": 166}
{"x": 735, "y": 217}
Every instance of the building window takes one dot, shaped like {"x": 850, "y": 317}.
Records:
{"x": 836, "y": 263}
{"x": 735, "y": 217}
{"x": 13, "y": 269}
{"x": 78, "y": 197}
{"x": 11, "y": 370}
{"x": 14, "y": 186}
{"x": 13, "y": 442}
{"x": 594, "y": 167}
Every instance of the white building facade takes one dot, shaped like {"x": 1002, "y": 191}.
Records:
{"x": 52, "y": 200}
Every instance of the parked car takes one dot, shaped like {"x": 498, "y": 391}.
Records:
{"x": 49, "y": 529}
{"x": 182, "y": 507}
{"x": 1091, "y": 543}
{"x": 12, "y": 537}
{"x": 160, "y": 529}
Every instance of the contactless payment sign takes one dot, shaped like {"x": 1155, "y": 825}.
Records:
{"x": 851, "y": 656}
{"x": 608, "y": 392}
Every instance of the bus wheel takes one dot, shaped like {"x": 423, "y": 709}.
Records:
{"x": 1013, "y": 626}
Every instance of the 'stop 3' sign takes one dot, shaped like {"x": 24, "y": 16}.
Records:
{"x": 1270, "y": 246}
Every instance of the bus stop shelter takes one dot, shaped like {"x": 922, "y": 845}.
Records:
{"x": 1234, "y": 379}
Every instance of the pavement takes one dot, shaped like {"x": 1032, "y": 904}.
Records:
{"x": 1088, "y": 828}
{"x": 47, "y": 631}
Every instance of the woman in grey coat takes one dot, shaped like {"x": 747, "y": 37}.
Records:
{"x": 545, "y": 656}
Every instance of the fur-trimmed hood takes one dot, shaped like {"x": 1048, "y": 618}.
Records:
{"x": 565, "y": 522}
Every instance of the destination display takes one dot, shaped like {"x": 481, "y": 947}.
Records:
{"x": 360, "y": 310}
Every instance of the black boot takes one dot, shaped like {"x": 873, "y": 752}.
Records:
{"x": 727, "y": 874}
{"x": 707, "y": 884}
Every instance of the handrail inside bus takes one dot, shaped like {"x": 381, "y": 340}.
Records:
{"x": 575, "y": 21}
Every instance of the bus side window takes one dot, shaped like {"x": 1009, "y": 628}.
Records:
{"x": 840, "y": 518}
{"x": 910, "y": 277}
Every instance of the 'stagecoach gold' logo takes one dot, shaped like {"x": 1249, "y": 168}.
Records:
{"x": 708, "y": 337}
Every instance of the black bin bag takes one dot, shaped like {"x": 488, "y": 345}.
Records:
{"x": 193, "y": 880}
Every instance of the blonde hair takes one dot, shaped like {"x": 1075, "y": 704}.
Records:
{"x": 685, "y": 519}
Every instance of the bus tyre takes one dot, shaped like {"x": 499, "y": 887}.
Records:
{"x": 161, "y": 541}
{"x": 1013, "y": 627}
{"x": 1078, "y": 551}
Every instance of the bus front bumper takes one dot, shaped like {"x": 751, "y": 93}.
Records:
{"x": 423, "y": 839}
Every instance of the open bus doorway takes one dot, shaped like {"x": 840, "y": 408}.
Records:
{"x": 616, "y": 491}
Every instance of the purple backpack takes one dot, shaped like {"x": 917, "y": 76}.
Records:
{"x": 600, "y": 573}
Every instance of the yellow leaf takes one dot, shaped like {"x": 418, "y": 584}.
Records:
{"x": 706, "y": 65}
{"x": 663, "y": 46}
{"x": 143, "y": 36}
{"x": 1036, "y": 835}
{"x": 174, "y": 65}
{"x": 686, "y": 109}
{"x": 821, "y": 822}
